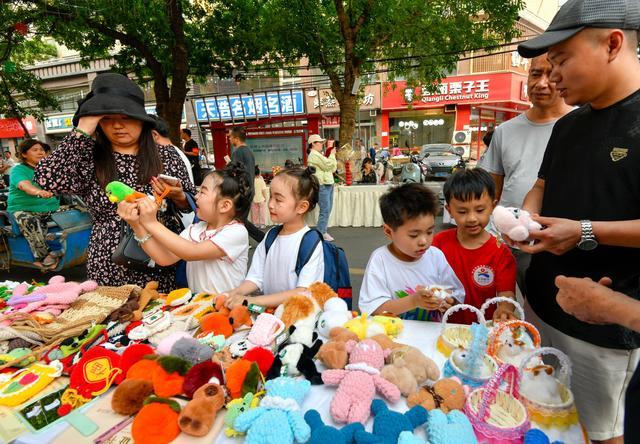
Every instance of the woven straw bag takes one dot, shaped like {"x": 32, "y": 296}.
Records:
{"x": 498, "y": 416}
{"x": 454, "y": 336}
{"x": 529, "y": 335}
{"x": 563, "y": 415}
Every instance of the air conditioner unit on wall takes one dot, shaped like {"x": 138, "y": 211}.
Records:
{"x": 461, "y": 137}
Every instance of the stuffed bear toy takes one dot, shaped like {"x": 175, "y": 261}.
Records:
{"x": 388, "y": 424}
{"x": 235, "y": 408}
{"x": 197, "y": 417}
{"x": 408, "y": 369}
{"x": 445, "y": 394}
{"x": 333, "y": 353}
{"x": 335, "y": 314}
{"x": 514, "y": 222}
{"x": 278, "y": 419}
{"x": 324, "y": 434}
{"x": 359, "y": 382}
{"x": 444, "y": 429}
{"x": 294, "y": 360}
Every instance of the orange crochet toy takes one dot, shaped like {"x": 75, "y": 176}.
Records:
{"x": 166, "y": 373}
{"x": 156, "y": 422}
{"x": 302, "y": 306}
{"x": 235, "y": 376}
{"x": 216, "y": 323}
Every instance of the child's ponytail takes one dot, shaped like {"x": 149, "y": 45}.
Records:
{"x": 235, "y": 186}
{"x": 308, "y": 187}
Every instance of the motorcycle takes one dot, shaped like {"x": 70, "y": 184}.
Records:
{"x": 415, "y": 171}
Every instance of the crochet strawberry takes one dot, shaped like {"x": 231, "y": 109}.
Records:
{"x": 359, "y": 382}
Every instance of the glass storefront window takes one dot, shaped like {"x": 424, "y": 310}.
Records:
{"x": 412, "y": 129}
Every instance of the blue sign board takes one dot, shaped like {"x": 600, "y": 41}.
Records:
{"x": 268, "y": 104}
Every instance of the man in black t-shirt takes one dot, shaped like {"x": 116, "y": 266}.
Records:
{"x": 192, "y": 151}
{"x": 588, "y": 194}
{"x": 597, "y": 304}
{"x": 242, "y": 153}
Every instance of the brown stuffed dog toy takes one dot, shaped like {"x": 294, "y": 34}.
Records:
{"x": 333, "y": 353}
{"x": 408, "y": 368}
{"x": 446, "y": 394}
{"x": 148, "y": 293}
{"x": 129, "y": 396}
{"x": 197, "y": 417}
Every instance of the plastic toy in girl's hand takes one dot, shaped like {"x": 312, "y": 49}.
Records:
{"x": 514, "y": 222}
{"x": 540, "y": 385}
{"x": 118, "y": 192}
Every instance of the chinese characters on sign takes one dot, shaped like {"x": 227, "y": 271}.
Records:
{"x": 250, "y": 105}
{"x": 58, "y": 124}
{"x": 453, "y": 90}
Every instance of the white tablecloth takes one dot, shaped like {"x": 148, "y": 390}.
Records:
{"x": 353, "y": 206}
{"x": 422, "y": 335}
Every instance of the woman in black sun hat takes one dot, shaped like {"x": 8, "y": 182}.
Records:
{"x": 112, "y": 140}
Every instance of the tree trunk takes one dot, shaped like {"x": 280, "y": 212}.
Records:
{"x": 348, "y": 107}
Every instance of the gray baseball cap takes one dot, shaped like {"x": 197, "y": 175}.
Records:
{"x": 576, "y": 15}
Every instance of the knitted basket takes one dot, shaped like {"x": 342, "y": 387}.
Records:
{"x": 489, "y": 302}
{"x": 563, "y": 415}
{"x": 529, "y": 335}
{"x": 454, "y": 336}
{"x": 450, "y": 369}
{"x": 498, "y": 416}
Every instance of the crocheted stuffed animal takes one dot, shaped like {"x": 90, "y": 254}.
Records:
{"x": 388, "y": 424}
{"x": 333, "y": 353}
{"x": 235, "y": 408}
{"x": 323, "y": 434}
{"x": 359, "y": 382}
{"x": 445, "y": 394}
{"x": 537, "y": 436}
{"x": 58, "y": 295}
{"x": 514, "y": 222}
{"x": 278, "y": 419}
{"x": 335, "y": 314}
{"x": 296, "y": 359}
{"x": 409, "y": 368}
{"x": 444, "y": 429}
{"x": 197, "y": 417}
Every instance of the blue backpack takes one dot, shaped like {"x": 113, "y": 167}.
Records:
{"x": 336, "y": 268}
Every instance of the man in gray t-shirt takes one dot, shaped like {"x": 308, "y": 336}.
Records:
{"x": 517, "y": 147}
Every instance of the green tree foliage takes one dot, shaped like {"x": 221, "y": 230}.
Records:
{"x": 417, "y": 39}
{"x": 163, "y": 41}
{"x": 21, "y": 92}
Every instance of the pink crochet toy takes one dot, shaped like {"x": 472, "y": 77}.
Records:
{"x": 514, "y": 222}
{"x": 359, "y": 382}
{"x": 58, "y": 295}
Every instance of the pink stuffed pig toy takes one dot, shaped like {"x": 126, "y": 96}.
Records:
{"x": 514, "y": 222}
{"x": 58, "y": 295}
{"x": 359, "y": 382}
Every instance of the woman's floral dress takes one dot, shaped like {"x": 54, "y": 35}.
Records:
{"x": 70, "y": 169}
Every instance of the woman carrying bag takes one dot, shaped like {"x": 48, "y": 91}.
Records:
{"x": 112, "y": 140}
{"x": 325, "y": 167}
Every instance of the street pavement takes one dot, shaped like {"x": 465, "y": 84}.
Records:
{"x": 358, "y": 243}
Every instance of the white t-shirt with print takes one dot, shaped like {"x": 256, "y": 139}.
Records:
{"x": 275, "y": 272}
{"x": 224, "y": 274}
{"x": 387, "y": 277}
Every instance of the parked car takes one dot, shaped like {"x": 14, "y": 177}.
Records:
{"x": 443, "y": 159}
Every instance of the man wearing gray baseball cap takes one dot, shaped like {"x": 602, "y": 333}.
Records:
{"x": 588, "y": 198}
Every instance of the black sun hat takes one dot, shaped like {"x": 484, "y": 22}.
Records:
{"x": 113, "y": 93}
{"x": 576, "y": 15}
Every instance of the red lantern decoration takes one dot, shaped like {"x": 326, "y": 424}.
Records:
{"x": 348, "y": 178}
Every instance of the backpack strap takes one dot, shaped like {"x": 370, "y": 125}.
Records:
{"x": 271, "y": 238}
{"x": 308, "y": 245}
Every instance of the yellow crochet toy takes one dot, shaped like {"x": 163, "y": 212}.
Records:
{"x": 392, "y": 325}
{"x": 28, "y": 382}
{"x": 365, "y": 327}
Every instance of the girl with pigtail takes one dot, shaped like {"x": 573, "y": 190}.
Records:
{"x": 215, "y": 248}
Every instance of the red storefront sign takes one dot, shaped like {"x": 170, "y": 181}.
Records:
{"x": 478, "y": 88}
{"x": 11, "y": 128}
{"x": 331, "y": 121}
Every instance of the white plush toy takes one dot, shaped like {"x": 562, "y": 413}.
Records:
{"x": 335, "y": 314}
{"x": 540, "y": 385}
{"x": 514, "y": 222}
{"x": 512, "y": 350}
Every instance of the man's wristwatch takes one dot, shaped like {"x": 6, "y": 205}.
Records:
{"x": 588, "y": 240}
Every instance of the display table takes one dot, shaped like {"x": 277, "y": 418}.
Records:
{"x": 353, "y": 206}
{"x": 422, "y": 335}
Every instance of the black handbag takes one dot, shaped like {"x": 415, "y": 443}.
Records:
{"x": 130, "y": 254}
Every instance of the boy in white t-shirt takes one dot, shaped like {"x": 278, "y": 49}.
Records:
{"x": 398, "y": 275}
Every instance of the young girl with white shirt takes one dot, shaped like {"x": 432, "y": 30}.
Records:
{"x": 294, "y": 192}
{"x": 216, "y": 248}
